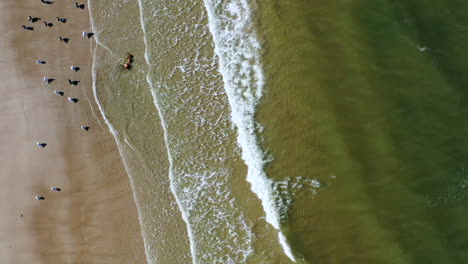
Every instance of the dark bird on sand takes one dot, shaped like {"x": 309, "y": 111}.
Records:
{"x": 88, "y": 35}
{"x": 62, "y": 19}
{"x": 33, "y": 19}
{"x": 27, "y": 28}
{"x": 81, "y": 6}
{"x": 66, "y": 40}
{"x": 47, "y": 2}
{"x": 59, "y": 93}
{"x": 73, "y": 100}
{"x": 41, "y": 144}
{"x": 48, "y": 80}
{"x": 48, "y": 24}
{"x": 73, "y": 82}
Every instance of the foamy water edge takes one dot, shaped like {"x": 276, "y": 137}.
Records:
{"x": 242, "y": 103}
{"x": 237, "y": 46}
{"x": 114, "y": 133}
{"x": 164, "y": 127}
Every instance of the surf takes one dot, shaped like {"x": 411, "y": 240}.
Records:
{"x": 187, "y": 91}
{"x": 238, "y": 49}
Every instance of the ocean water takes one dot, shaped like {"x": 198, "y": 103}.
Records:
{"x": 289, "y": 131}
{"x": 369, "y": 99}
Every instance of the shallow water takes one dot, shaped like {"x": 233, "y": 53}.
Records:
{"x": 126, "y": 103}
{"x": 205, "y": 171}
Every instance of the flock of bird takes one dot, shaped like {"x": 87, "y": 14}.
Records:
{"x": 47, "y": 80}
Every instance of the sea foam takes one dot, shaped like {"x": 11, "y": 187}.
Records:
{"x": 238, "y": 49}
{"x": 188, "y": 92}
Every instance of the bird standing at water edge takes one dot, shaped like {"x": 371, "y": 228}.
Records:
{"x": 88, "y": 35}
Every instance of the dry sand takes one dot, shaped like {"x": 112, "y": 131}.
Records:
{"x": 93, "y": 219}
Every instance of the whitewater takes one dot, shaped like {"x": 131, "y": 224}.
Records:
{"x": 238, "y": 49}
{"x": 204, "y": 100}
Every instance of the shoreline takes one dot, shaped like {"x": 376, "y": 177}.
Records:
{"x": 128, "y": 104}
{"x": 93, "y": 219}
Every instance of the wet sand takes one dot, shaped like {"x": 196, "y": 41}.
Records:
{"x": 93, "y": 219}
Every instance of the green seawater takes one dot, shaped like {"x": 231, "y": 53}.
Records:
{"x": 370, "y": 99}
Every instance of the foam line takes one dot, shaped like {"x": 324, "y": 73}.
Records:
{"x": 166, "y": 139}
{"x": 200, "y": 190}
{"x": 238, "y": 50}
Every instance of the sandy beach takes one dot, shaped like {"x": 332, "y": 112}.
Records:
{"x": 93, "y": 219}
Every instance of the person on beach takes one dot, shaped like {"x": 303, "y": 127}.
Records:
{"x": 59, "y": 93}
{"x": 62, "y": 19}
{"x": 48, "y": 24}
{"x": 85, "y": 128}
{"x": 41, "y": 144}
{"x": 33, "y": 19}
{"x": 66, "y": 40}
{"x": 73, "y": 100}
{"x": 55, "y": 189}
{"x": 75, "y": 68}
{"x": 128, "y": 61}
{"x": 88, "y": 35}
{"x": 40, "y": 61}
{"x": 39, "y": 198}
{"x": 27, "y": 28}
